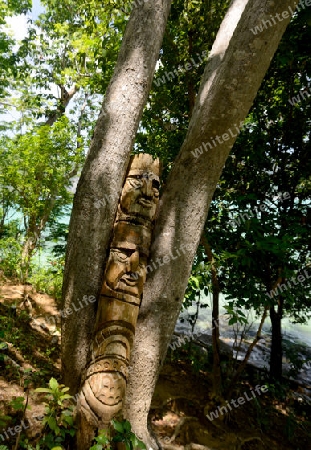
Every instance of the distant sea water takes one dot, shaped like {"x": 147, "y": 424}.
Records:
{"x": 296, "y": 332}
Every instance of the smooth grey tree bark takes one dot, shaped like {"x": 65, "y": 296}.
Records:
{"x": 235, "y": 69}
{"x": 236, "y": 66}
{"x": 99, "y": 187}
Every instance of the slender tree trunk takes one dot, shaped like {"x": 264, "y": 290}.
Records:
{"x": 236, "y": 67}
{"x": 27, "y": 252}
{"x": 217, "y": 379}
{"x": 33, "y": 233}
{"x": 276, "y": 344}
{"x": 63, "y": 102}
{"x": 99, "y": 187}
{"x": 31, "y": 239}
{"x": 242, "y": 365}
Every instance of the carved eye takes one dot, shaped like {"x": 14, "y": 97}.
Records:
{"x": 122, "y": 255}
{"x": 155, "y": 184}
{"x": 136, "y": 181}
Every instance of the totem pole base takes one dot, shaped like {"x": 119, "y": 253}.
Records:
{"x": 104, "y": 380}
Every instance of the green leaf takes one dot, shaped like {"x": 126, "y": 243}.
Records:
{"x": 118, "y": 426}
{"x": 127, "y": 425}
{"x": 65, "y": 389}
{"x": 232, "y": 321}
{"x": 17, "y": 403}
{"x": 64, "y": 397}
{"x": 52, "y": 423}
{"x": 140, "y": 444}
{"x": 67, "y": 418}
{"x": 47, "y": 390}
{"x": 53, "y": 384}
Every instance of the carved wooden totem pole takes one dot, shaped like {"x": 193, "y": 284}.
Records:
{"x": 104, "y": 380}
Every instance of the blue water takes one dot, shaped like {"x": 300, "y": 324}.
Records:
{"x": 296, "y": 332}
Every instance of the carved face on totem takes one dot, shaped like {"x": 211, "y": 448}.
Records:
{"x": 118, "y": 306}
{"x": 125, "y": 270}
{"x": 140, "y": 193}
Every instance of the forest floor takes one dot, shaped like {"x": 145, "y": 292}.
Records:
{"x": 277, "y": 419}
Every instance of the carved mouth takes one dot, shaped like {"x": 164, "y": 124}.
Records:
{"x": 130, "y": 280}
{"x": 145, "y": 203}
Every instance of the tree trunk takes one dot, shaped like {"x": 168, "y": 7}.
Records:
{"x": 33, "y": 233}
{"x": 63, "y": 102}
{"x": 99, "y": 187}
{"x": 31, "y": 239}
{"x": 276, "y": 344}
{"x": 242, "y": 365}
{"x": 217, "y": 379}
{"x": 236, "y": 67}
{"x": 27, "y": 251}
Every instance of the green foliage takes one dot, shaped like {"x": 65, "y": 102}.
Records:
{"x": 259, "y": 221}
{"x": 48, "y": 280}
{"x": 58, "y": 420}
{"x": 278, "y": 390}
{"x": 10, "y": 257}
{"x": 18, "y": 403}
{"x": 236, "y": 315}
{"x": 189, "y": 36}
{"x": 38, "y": 167}
{"x": 121, "y": 433}
{"x": 4, "y": 420}
{"x": 291, "y": 426}
{"x": 294, "y": 354}
{"x": 262, "y": 416}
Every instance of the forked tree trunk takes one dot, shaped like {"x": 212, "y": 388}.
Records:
{"x": 236, "y": 67}
{"x": 234, "y": 72}
{"x": 99, "y": 187}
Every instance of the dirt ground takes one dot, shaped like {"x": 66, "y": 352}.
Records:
{"x": 181, "y": 400}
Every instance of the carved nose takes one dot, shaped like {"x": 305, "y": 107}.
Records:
{"x": 134, "y": 261}
{"x": 147, "y": 188}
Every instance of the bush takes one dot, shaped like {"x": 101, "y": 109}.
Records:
{"x": 48, "y": 280}
{"x": 10, "y": 257}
